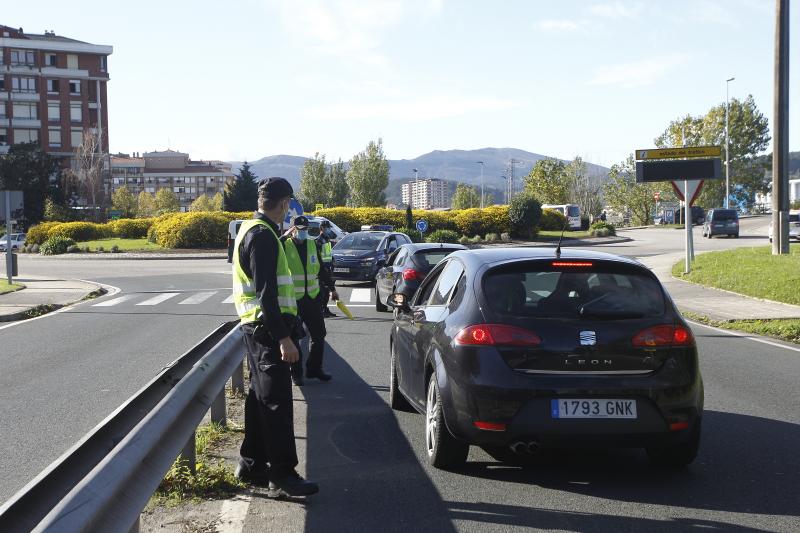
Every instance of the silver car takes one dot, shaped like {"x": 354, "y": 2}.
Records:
{"x": 794, "y": 226}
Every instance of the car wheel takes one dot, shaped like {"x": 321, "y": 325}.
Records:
{"x": 444, "y": 451}
{"x": 397, "y": 401}
{"x": 379, "y": 305}
{"x": 736, "y": 236}
{"x": 677, "y": 455}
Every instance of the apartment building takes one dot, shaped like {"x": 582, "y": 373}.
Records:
{"x": 426, "y": 194}
{"x": 152, "y": 171}
{"x": 52, "y": 91}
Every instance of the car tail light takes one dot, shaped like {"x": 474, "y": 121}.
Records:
{"x": 497, "y": 335}
{"x": 665, "y": 335}
{"x": 678, "y": 426}
{"x": 572, "y": 264}
{"x": 489, "y": 426}
{"x": 409, "y": 274}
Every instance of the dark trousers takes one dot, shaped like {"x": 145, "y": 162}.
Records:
{"x": 268, "y": 410}
{"x": 310, "y": 312}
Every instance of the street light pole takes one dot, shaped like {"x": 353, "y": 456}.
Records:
{"x": 481, "y": 164}
{"x": 727, "y": 136}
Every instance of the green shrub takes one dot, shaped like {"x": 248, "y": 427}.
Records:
{"x": 476, "y": 239}
{"x": 85, "y": 249}
{"x": 101, "y": 249}
{"x": 524, "y": 214}
{"x": 56, "y": 246}
{"x": 131, "y": 228}
{"x": 73, "y": 249}
{"x": 40, "y": 232}
{"x": 443, "y": 235}
{"x": 608, "y": 229}
{"x": 552, "y": 220}
{"x": 413, "y": 234}
{"x": 463, "y": 240}
{"x": 81, "y": 231}
{"x": 585, "y": 222}
{"x": 115, "y": 249}
{"x": 492, "y": 237}
{"x": 190, "y": 230}
{"x": 505, "y": 237}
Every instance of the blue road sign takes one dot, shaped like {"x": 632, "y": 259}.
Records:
{"x": 422, "y": 225}
{"x": 295, "y": 210}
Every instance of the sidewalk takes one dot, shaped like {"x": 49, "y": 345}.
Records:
{"x": 715, "y": 304}
{"x": 42, "y": 291}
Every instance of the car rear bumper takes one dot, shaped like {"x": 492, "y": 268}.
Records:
{"x": 354, "y": 273}
{"x": 725, "y": 231}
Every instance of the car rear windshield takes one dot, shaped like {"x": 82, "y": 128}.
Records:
{"x": 725, "y": 214}
{"x": 573, "y": 211}
{"x": 600, "y": 291}
{"x": 360, "y": 241}
{"x": 794, "y": 218}
{"x": 431, "y": 258}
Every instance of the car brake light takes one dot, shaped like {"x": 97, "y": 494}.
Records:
{"x": 496, "y": 335}
{"x": 410, "y": 274}
{"x": 489, "y": 426}
{"x": 678, "y": 426}
{"x": 572, "y": 264}
{"x": 665, "y": 335}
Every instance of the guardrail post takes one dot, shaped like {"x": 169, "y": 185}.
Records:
{"x": 218, "y": 415}
{"x": 237, "y": 378}
{"x": 188, "y": 455}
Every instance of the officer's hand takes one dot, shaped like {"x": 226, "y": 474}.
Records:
{"x": 289, "y": 351}
{"x": 334, "y": 295}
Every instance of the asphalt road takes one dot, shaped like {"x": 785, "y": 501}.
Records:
{"x": 62, "y": 374}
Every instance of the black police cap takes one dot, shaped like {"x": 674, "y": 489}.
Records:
{"x": 275, "y": 189}
{"x": 300, "y": 221}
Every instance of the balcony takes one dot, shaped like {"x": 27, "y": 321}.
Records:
{"x": 25, "y": 97}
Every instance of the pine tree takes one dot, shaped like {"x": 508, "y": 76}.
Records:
{"x": 242, "y": 194}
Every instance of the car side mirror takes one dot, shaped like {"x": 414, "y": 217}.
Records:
{"x": 399, "y": 301}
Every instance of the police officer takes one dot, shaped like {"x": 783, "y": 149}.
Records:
{"x": 263, "y": 293}
{"x": 307, "y": 273}
{"x": 326, "y": 254}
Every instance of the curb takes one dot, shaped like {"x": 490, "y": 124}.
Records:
{"x": 101, "y": 290}
{"x": 135, "y": 257}
{"x": 739, "y": 295}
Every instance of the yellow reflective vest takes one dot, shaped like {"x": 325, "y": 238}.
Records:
{"x": 306, "y": 277}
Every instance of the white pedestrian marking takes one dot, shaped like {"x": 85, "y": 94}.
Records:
{"x": 115, "y": 301}
{"x": 228, "y": 300}
{"x": 360, "y": 295}
{"x": 155, "y": 300}
{"x": 200, "y": 297}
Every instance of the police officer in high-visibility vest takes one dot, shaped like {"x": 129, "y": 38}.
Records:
{"x": 326, "y": 255}
{"x": 263, "y": 293}
{"x": 307, "y": 272}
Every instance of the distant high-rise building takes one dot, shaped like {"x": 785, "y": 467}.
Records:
{"x": 426, "y": 194}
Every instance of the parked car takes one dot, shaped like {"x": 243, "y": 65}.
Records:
{"x": 794, "y": 226}
{"x": 721, "y": 222}
{"x": 17, "y": 241}
{"x": 359, "y": 255}
{"x": 407, "y": 267}
{"x": 511, "y": 349}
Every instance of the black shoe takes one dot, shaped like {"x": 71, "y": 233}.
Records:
{"x": 318, "y": 374}
{"x": 298, "y": 380}
{"x": 251, "y": 476}
{"x": 328, "y": 314}
{"x": 291, "y": 485}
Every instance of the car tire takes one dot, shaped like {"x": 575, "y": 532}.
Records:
{"x": 379, "y": 305}
{"x": 736, "y": 236}
{"x": 444, "y": 450}
{"x": 397, "y": 401}
{"x": 677, "y": 455}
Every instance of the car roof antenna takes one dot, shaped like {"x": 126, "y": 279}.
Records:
{"x": 563, "y": 229}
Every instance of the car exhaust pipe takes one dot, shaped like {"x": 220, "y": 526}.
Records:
{"x": 519, "y": 447}
{"x": 533, "y": 447}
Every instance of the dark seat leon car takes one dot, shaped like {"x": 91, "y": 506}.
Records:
{"x": 407, "y": 267}
{"x": 513, "y": 349}
{"x": 359, "y": 255}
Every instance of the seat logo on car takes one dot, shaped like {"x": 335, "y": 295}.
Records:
{"x": 588, "y": 338}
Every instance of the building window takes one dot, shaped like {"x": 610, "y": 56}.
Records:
{"x": 2, "y": 110}
{"x": 75, "y": 87}
{"x": 149, "y": 189}
{"x": 23, "y": 85}
{"x": 76, "y": 137}
{"x": 54, "y": 111}
{"x": 2, "y": 82}
{"x": 26, "y": 136}
{"x": 3, "y": 136}
{"x": 54, "y": 137}
{"x": 72, "y": 61}
{"x": 179, "y": 189}
{"x": 75, "y": 113}
{"x": 22, "y": 57}
{"x": 52, "y": 87}
{"x": 103, "y": 63}
{"x": 52, "y": 60}
{"x": 25, "y": 110}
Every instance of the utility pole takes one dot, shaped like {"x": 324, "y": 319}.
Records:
{"x": 481, "y": 164}
{"x": 727, "y": 137}
{"x": 780, "y": 137}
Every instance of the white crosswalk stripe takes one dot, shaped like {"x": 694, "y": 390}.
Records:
{"x": 228, "y": 300}
{"x": 155, "y": 300}
{"x": 114, "y": 301}
{"x": 360, "y": 295}
{"x": 200, "y": 297}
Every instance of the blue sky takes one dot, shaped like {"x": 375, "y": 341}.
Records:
{"x": 247, "y": 78}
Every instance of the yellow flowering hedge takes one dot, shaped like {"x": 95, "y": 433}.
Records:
{"x": 80, "y": 231}
{"x": 203, "y": 229}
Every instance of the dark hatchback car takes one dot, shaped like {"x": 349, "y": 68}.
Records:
{"x": 407, "y": 267}
{"x": 513, "y": 349}
{"x": 359, "y": 255}
{"x": 721, "y": 222}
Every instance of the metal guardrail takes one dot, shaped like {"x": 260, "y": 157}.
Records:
{"x": 105, "y": 480}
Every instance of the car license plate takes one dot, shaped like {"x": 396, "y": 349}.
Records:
{"x": 592, "y": 408}
{"x": 341, "y": 269}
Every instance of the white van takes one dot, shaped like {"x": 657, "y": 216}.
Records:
{"x": 571, "y": 211}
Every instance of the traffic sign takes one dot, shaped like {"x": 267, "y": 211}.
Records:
{"x": 317, "y": 207}
{"x": 295, "y": 210}
{"x": 694, "y": 189}
{"x": 678, "y": 153}
{"x": 422, "y": 225}
{"x": 115, "y": 214}
{"x": 684, "y": 169}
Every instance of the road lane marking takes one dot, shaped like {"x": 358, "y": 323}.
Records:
{"x": 746, "y": 336}
{"x": 360, "y": 295}
{"x": 228, "y": 300}
{"x": 115, "y": 301}
{"x": 200, "y": 297}
{"x": 155, "y": 300}
{"x": 233, "y": 514}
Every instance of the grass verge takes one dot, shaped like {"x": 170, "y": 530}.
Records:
{"x": 6, "y": 288}
{"x": 785, "y": 329}
{"x": 124, "y": 245}
{"x": 750, "y": 271}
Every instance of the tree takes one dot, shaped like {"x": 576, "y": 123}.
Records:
{"x": 55, "y": 212}
{"x": 549, "y": 181}
{"x": 465, "y": 197}
{"x": 123, "y": 200}
{"x": 623, "y": 194}
{"x": 314, "y": 187}
{"x": 145, "y": 205}
{"x": 166, "y": 202}
{"x": 89, "y": 166}
{"x": 336, "y": 178}
{"x": 202, "y": 203}
{"x": 242, "y": 194}
{"x": 409, "y": 217}
{"x": 524, "y": 213}
{"x": 29, "y": 169}
{"x": 585, "y": 190}
{"x": 368, "y": 176}
{"x": 217, "y": 202}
